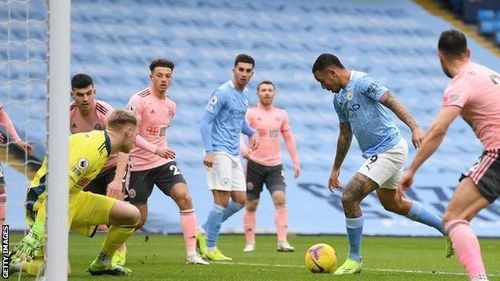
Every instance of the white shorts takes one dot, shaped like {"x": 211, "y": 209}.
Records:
{"x": 387, "y": 167}
{"x": 226, "y": 174}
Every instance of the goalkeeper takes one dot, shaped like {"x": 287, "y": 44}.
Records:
{"x": 88, "y": 153}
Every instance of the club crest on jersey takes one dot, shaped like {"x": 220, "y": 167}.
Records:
{"x": 98, "y": 127}
{"x": 83, "y": 163}
{"x": 349, "y": 95}
{"x": 132, "y": 107}
{"x": 454, "y": 98}
{"x": 213, "y": 101}
{"x": 132, "y": 193}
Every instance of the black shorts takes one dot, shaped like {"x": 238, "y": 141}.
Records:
{"x": 142, "y": 182}
{"x": 100, "y": 183}
{"x": 485, "y": 173}
{"x": 258, "y": 174}
{"x": 2, "y": 179}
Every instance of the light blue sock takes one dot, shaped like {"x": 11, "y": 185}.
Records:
{"x": 231, "y": 209}
{"x": 212, "y": 225}
{"x": 355, "y": 234}
{"x": 421, "y": 214}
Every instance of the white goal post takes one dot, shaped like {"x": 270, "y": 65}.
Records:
{"x": 59, "y": 46}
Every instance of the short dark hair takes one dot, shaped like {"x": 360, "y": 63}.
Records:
{"x": 266, "y": 82}
{"x": 244, "y": 58}
{"x": 81, "y": 80}
{"x": 161, "y": 63}
{"x": 452, "y": 43}
{"x": 326, "y": 60}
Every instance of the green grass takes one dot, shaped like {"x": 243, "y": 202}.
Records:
{"x": 385, "y": 258}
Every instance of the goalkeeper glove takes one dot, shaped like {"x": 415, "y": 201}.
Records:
{"x": 30, "y": 245}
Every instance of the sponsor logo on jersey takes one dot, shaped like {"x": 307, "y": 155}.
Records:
{"x": 83, "y": 182}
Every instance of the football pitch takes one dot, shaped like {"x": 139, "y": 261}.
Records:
{"x": 157, "y": 257}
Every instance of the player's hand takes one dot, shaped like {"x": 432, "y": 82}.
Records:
{"x": 244, "y": 152}
{"x": 28, "y": 247}
{"x": 296, "y": 170}
{"x": 165, "y": 152}
{"x": 404, "y": 183}
{"x": 417, "y": 136}
{"x": 333, "y": 181}
{"x": 254, "y": 142}
{"x": 115, "y": 189}
{"x": 208, "y": 159}
{"x": 24, "y": 146}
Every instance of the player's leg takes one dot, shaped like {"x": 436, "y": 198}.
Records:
{"x": 123, "y": 218}
{"x": 171, "y": 182}
{"x": 249, "y": 223}
{"x": 255, "y": 180}
{"x": 180, "y": 194}
{"x": 139, "y": 189}
{"x": 219, "y": 182}
{"x": 477, "y": 189}
{"x": 238, "y": 189}
{"x": 356, "y": 190}
{"x": 466, "y": 202}
{"x": 275, "y": 182}
{"x": 410, "y": 209}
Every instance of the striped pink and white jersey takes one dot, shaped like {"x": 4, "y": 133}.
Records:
{"x": 476, "y": 90}
{"x": 155, "y": 116}
{"x": 96, "y": 120}
{"x": 270, "y": 125}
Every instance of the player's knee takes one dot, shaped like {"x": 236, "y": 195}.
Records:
{"x": 392, "y": 207}
{"x": 184, "y": 201}
{"x": 348, "y": 198}
{"x": 135, "y": 217}
{"x": 241, "y": 201}
{"x": 130, "y": 215}
{"x": 449, "y": 216}
{"x": 251, "y": 205}
{"x": 140, "y": 223}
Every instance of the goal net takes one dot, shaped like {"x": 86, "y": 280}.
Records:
{"x": 34, "y": 76}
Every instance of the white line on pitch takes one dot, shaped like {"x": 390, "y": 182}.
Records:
{"x": 367, "y": 269}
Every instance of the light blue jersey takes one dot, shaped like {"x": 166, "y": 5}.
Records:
{"x": 358, "y": 104}
{"x": 224, "y": 120}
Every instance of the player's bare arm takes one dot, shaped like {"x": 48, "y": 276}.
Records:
{"x": 343, "y": 145}
{"x": 389, "y": 101}
{"x": 115, "y": 187}
{"x": 431, "y": 142}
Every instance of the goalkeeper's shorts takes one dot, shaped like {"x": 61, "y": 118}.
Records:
{"x": 86, "y": 211}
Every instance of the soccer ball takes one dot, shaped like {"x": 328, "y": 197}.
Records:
{"x": 321, "y": 258}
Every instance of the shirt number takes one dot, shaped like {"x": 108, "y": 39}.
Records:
{"x": 175, "y": 169}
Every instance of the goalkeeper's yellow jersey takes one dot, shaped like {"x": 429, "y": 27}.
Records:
{"x": 87, "y": 154}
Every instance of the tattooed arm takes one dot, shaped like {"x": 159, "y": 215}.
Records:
{"x": 343, "y": 145}
{"x": 389, "y": 101}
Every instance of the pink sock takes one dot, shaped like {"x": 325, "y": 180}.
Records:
{"x": 249, "y": 225}
{"x": 466, "y": 246}
{"x": 188, "y": 224}
{"x": 281, "y": 220}
{"x": 3, "y": 207}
